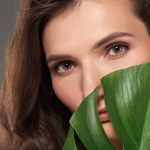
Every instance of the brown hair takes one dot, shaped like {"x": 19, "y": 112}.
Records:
{"x": 31, "y": 115}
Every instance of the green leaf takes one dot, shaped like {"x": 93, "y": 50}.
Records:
{"x": 70, "y": 142}
{"x": 85, "y": 122}
{"x": 127, "y": 98}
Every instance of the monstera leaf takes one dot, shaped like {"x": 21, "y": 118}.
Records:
{"x": 127, "y": 98}
{"x": 85, "y": 122}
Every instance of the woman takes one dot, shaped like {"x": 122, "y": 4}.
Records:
{"x": 58, "y": 52}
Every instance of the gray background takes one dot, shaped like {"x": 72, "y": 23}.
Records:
{"x": 8, "y": 11}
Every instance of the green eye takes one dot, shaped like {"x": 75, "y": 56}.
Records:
{"x": 117, "y": 49}
{"x": 64, "y": 66}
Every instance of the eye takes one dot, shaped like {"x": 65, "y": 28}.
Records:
{"x": 117, "y": 49}
{"x": 64, "y": 67}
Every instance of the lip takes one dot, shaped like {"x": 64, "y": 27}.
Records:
{"x": 103, "y": 115}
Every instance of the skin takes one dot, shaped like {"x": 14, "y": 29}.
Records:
{"x": 86, "y": 42}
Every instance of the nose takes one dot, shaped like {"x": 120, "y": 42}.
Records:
{"x": 91, "y": 76}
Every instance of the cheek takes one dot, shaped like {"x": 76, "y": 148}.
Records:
{"x": 68, "y": 94}
{"x": 142, "y": 53}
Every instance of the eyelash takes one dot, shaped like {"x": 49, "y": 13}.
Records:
{"x": 56, "y": 68}
{"x": 119, "y": 44}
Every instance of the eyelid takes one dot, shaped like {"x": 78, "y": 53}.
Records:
{"x": 56, "y": 63}
{"x": 117, "y": 42}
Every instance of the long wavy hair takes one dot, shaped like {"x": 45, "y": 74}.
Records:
{"x": 31, "y": 116}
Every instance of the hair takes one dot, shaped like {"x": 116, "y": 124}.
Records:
{"x": 32, "y": 117}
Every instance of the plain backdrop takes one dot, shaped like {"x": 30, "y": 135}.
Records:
{"x": 8, "y": 12}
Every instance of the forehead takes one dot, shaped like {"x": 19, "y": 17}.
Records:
{"x": 90, "y": 8}
{"x": 82, "y": 20}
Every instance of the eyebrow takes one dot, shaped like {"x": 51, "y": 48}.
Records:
{"x": 110, "y": 37}
{"x": 59, "y": 57}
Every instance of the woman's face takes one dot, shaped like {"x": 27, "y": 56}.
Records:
{"x": 87, "y": 42}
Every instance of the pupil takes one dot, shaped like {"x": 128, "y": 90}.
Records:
{"x": 118, "y": 49}
{"x": 66, "y": 65}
